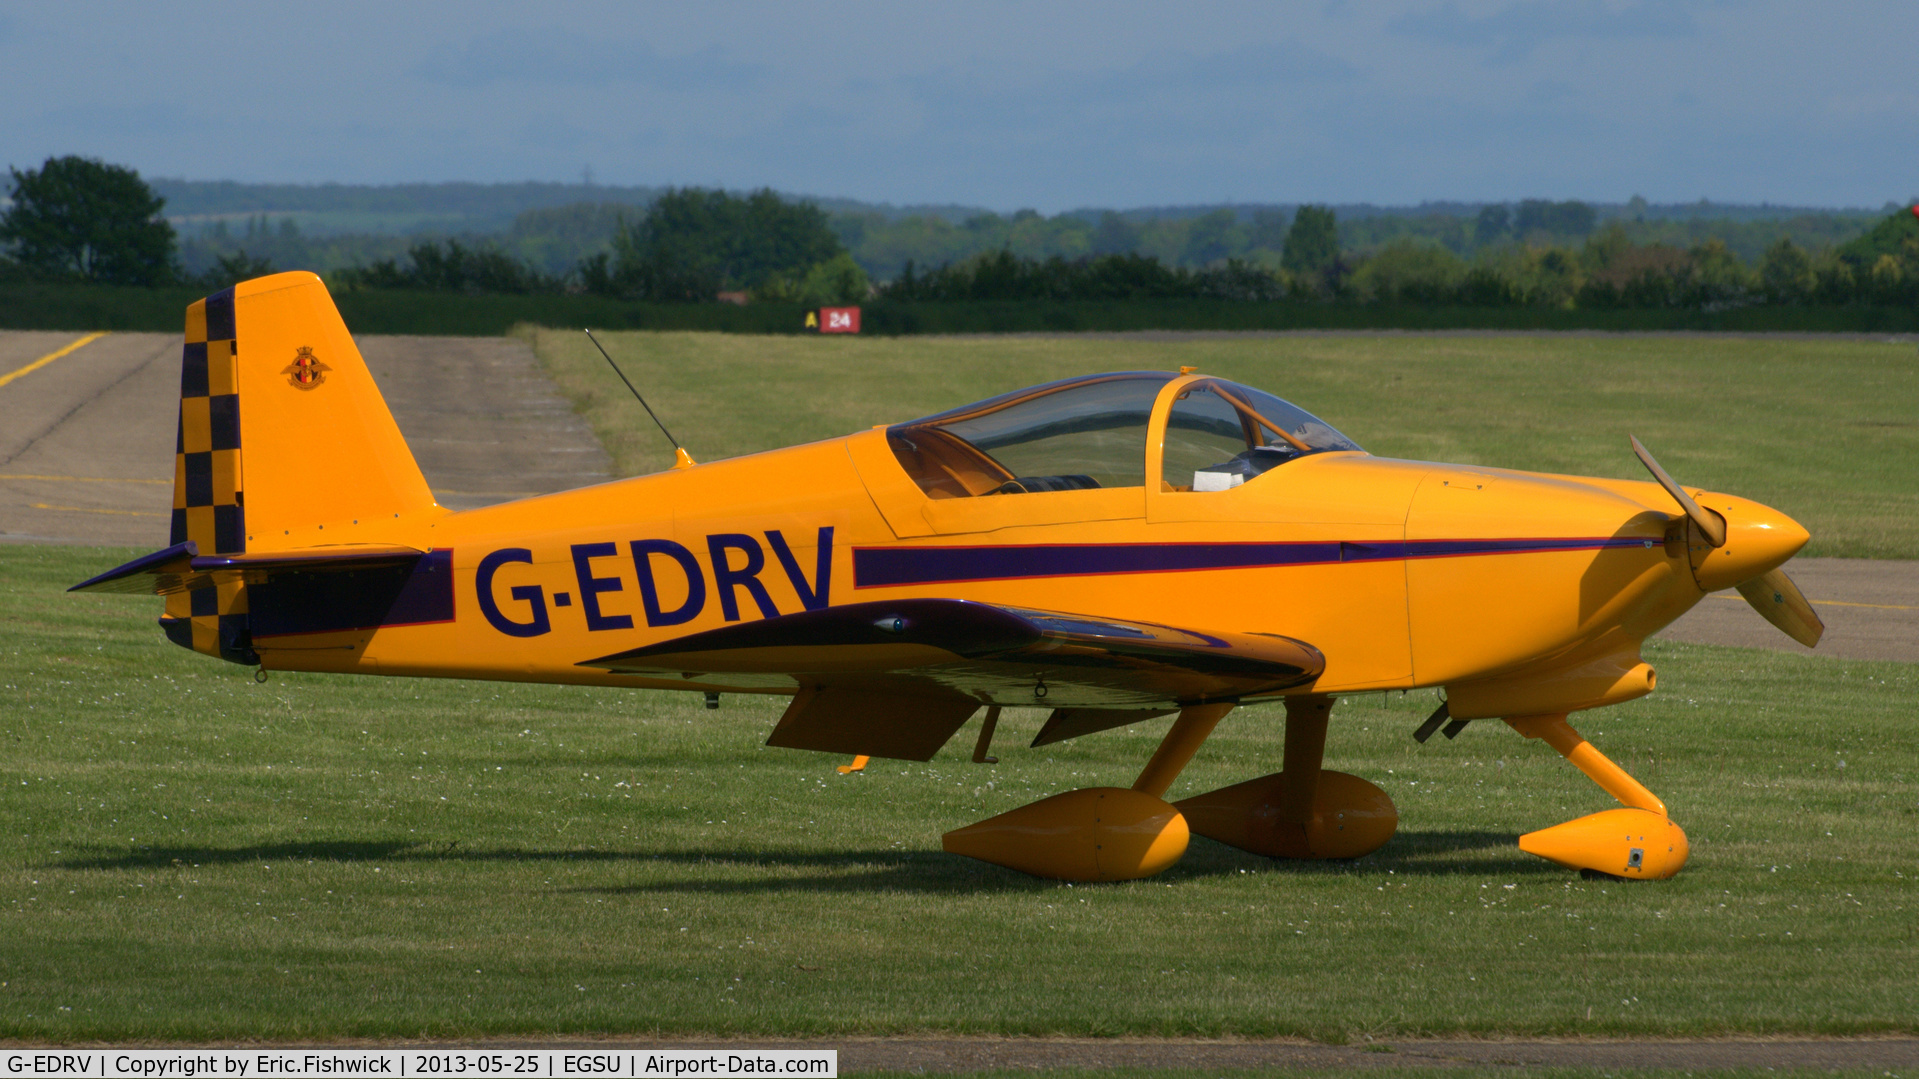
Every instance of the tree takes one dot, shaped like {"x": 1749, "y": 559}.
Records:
{"x": 1409, "y": 270}
{"x": 1209, "y": 238}
{"x": 1492, "y": 225}
{"x": 838, "y": 280}
{"x": 1718, "y": 277}
{"x": 1115, "y": 235}
{"x": 454, "y": 267}
{"x": 1268, "y": 231}
{"x": 695, "y": 242}
{"x": 1312, "y": 244}
{"x": 1572, "y": 218}
{"x": 78, "y": 217}
{"x": 1786, "y": 273}
{"x": 230, "y": 270}
{"x": 1888, "y": 237}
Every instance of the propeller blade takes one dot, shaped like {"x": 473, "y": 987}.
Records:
{"x": 1711, "y": 525}
{"x": 1780, "y": 602}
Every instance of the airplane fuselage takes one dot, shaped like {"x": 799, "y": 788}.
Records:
{"x": 1403, "y": 573}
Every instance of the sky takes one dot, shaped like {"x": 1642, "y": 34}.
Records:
{"x": 1052, "y": 106}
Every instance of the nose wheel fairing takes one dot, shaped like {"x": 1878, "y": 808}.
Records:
{"x": 1630, "y": 844}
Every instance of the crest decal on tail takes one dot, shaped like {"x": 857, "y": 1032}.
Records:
{"x": 306, "y": 372}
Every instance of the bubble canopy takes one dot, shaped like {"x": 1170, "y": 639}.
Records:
{"x": 1092, "y": 432}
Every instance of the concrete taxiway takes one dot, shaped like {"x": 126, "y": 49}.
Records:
{"x": 86, "y": 441}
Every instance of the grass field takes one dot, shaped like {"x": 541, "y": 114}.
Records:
{"x": 189, "y": 855}
{"x": 1826, "y": 430}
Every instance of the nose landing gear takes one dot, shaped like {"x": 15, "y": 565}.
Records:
{"x": 1638, "y": 842}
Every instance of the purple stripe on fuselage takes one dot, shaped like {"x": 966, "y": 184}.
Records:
{"x": 880, "y": 567}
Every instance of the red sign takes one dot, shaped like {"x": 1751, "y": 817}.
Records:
{"x": 839, "y": 320}
{"x": 1915, "y": 211}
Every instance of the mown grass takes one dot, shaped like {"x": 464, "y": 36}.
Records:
{"x": 189, "y": 855}
{"x": 1826, "y": 430}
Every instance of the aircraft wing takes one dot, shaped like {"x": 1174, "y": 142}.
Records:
{"x": 897, "y": 678}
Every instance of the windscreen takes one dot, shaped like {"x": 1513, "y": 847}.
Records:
{"x": 1221, "y": 434}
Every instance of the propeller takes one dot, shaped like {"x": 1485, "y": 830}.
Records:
{"x": 1711, "y": 525}
{"x": 1780, "y": 602}
{"x": 1772, "y": 593}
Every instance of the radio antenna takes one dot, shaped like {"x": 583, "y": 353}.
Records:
{"x": 681, "y": 459}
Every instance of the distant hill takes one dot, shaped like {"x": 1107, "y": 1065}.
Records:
{"x": 1702, "y": 210}
{"x": 479, "y": 208}
{"x": 327, "y": 227}
{"x": 464, "y": 208}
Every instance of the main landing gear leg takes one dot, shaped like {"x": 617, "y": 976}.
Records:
{"x": 1098, "y": 833}
{"x": 1638, "y": 842}
{"x": 1302, "y": 811}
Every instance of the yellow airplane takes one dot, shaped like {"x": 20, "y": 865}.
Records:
{"x": 1117, "y": 548}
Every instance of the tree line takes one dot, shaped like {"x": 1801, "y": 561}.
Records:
{"x": 553, "y": 239}
{"x": 76, "y": 219}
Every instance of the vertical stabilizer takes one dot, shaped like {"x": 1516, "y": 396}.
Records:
{"x": 284, "y": 442}
{"x": 283, "y": 434}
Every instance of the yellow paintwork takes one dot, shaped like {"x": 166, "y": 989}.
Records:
{"x": 1634, "y": 844}
{"x": 325, "y": 465}
{"x": 1612, "y": 779}
{"x": 1637, "y": 842}
{"x": 1094, "y": 833}
{"x": 1596, "y": 683}
{"x": 1520, "y": 593}
{"x": 1302, "y": 811}
{"x": 1177, "y": 749}
{"x": 1350, "y": 817}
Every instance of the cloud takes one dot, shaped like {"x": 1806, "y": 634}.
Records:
{"x": 1515, "y": 33}
{"x": 549, "y": 57}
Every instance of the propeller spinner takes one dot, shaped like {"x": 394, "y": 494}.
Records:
{"x": 1771, "y": 593}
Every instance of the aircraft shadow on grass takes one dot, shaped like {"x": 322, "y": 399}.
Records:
{"x": 1410, "y": 853}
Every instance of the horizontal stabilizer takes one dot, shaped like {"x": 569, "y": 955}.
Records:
{"x": 156, "y": 574}
{"x": 182, "y": 568}
{"x": 312, "y": 559}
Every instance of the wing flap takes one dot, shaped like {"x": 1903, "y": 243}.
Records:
{"x": 1067, "y": 723}
{"x": 874, "y": 720}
